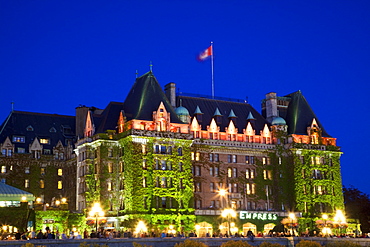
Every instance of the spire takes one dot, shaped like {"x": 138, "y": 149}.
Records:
{"x": 198, "y": 111}
{"x": 250, "y": 116}
{"x": 232, "y": 114}
{"x": 151, "y": 66}
{"x": 217, "y": 112}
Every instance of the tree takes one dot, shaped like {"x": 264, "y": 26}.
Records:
{"x": 357, "y": 206}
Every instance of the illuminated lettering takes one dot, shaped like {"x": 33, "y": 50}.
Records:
{"x": 245, "y": 215}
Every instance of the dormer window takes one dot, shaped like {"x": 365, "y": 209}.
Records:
{"x": 44, "y": 140}
{"x": 19, "y": 139}
{"x": 29, "y": 128}
{"x": 52, "y": 130}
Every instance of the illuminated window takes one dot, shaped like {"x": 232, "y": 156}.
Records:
{"x": 253, "y": 188}
{"x": 42, "y": 171}
{"x": 248, "y": 189}
{"x": 110, "y": 152}
{"x": 164, "y": 182}
{"x": 110, "y": 167}
{"x": 144, "y": 163}
{"x": 247, "y": 173}
{"x": 26, "y": 183}
{"x": 42, "y": 184}
{"x": 192, "y": 156}
{"x": 60, "y": 185}
{"x": 318, "y": 160}
{"x": 229, "y": 172}
{"x": 44, "y": 141}
{"x": 319, "y": 190}
{"x": 60, "y": 172}
{"x": 3, "y": 169}
{"x": 252, "y": 173}
{"x": 109, "y": 186}
{"x": 144, "y": 182}
{"x": 197, "y": 156}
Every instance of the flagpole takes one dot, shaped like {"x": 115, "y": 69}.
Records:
{"x": 213, "y": 81}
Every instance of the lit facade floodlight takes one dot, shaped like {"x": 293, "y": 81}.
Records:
{"x": 24, "y": 199}
{"x": 38, "y": 200}
{"x": 57, "y": 203}
{"x": 64, "y": 200}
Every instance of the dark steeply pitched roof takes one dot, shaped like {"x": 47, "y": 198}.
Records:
{"x": 145, "y": 97}
{"x": 299, "y": 115}
{"x": 43, "y": 127}
{"x": 108, "y": 119}
{"x": 209, "y": 106}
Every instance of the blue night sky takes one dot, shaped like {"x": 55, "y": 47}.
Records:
{"x": 56, "y": 55}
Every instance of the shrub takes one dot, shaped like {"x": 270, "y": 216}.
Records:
{"x": 306, "y": 243}
{"x": 32, "y": 245}
{"x": 233, "y": 243}
{"x": 84, "y": 244}
{"x": 139, "y": 245}
{"x": 343, "y": 244}
{"x": 191, "y": 243}
{"x": 267, "y": 244}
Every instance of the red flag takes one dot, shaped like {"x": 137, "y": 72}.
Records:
{"x": 205, "y": 54}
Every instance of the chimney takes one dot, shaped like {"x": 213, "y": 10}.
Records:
{"x": 170, "y": 91}
{"x": 81, "y": 113}
{"x": 271, "y": 106}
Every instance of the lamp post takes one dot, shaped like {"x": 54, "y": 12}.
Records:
{"x": 292, "y": 219}
{"x": 96, "y": 211}
{"x": 222, "y": 193}
{"x": 228, "y": 213}
{"x": 340, "y": 219}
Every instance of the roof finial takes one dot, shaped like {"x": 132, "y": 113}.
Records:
{"x": 12, "y": 105}
{"x": 151, "y": 66}
{"x": 136, "y": 73}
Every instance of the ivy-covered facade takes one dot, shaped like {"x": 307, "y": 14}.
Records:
{"x": 268, "y": 164}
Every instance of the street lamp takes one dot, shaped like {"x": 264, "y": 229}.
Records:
{"x": 96, "y": 211}
{"x": 292, "y": 219}
{"x": 228, "y": 213}
{"x": 340, "y": 219}
{"x": 141, "y": 228}
{"x": 326, "y": 230}
{"x": 222, "y": 193}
